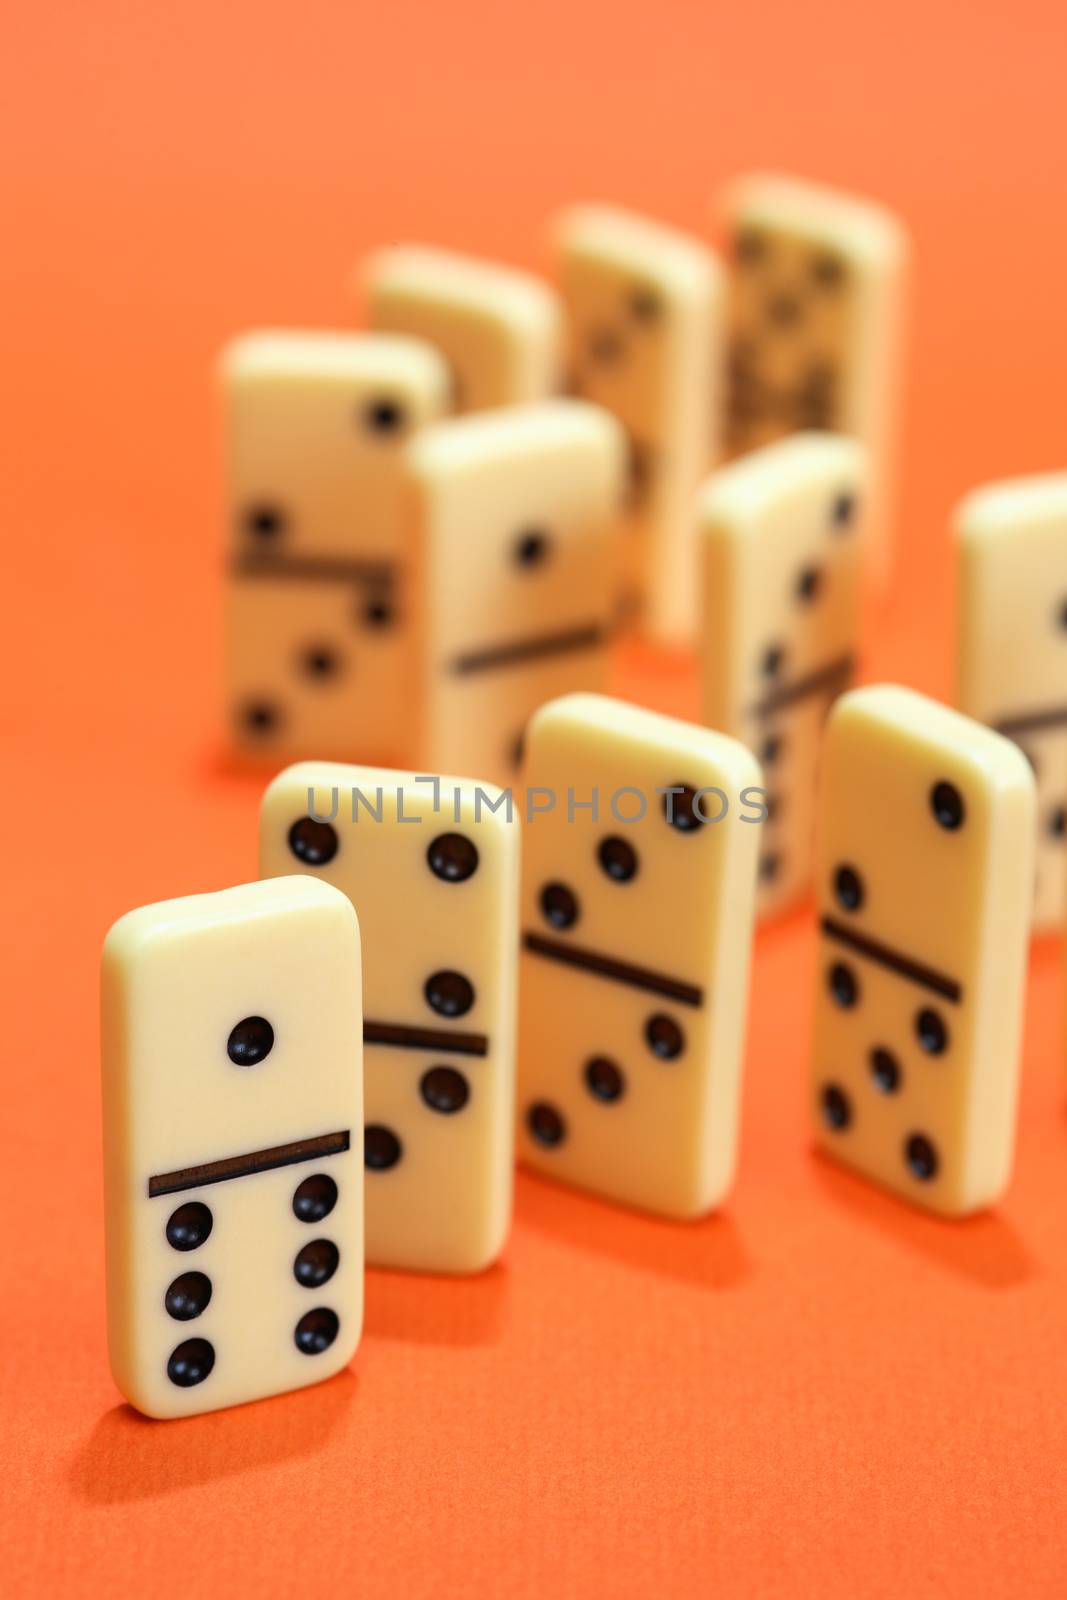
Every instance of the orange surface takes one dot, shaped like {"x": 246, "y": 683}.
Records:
{"x": 815, "y": 1393}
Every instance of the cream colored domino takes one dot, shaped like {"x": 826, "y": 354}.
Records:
{"x": 499, "y": 329}
{"x": 816, "y": 325}
{"x": 645, "y": 308}
{"x": 232, "y": 1127}
{"x": 637, "y": 923}
{"x": 318, "y": 645}
{"x": 514, "y": 537}
{"x": 1012, "y": 646}
{"x": 924, "y": 871}
{"x": 781, "y": 532}
{"x": 433, "y": 874}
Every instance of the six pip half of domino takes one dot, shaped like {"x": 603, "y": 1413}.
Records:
{"x": 440, "y": 530}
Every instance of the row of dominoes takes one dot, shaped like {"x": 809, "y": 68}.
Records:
{"x": 476, "y": 562}
{"x": 508, "y": 590}
{"x": 781, "y": 576}
{"x": 251, "y": 1051}
{"x": 426, "y": 545}
{"x": 410, "y": 588}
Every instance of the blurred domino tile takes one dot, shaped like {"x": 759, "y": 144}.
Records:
{"x": 498, "y": 329}
{"x": 514, "y": 526}
{"x": 781, "y": 530}
{"x": 816, "y": 325}
{"x": 319, "y": 640}
{"x": 1012, "y": 647}
{"x": 644, "y": 306}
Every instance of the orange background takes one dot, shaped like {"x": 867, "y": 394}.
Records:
{"x": 816, "y": 1392}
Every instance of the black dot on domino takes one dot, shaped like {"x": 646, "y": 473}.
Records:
{"x": 681, "y": 807}
{"x": 319, "y": 661}
{"x": 383, "y": 416}
{"x": 645, "y": 305}
{"x": 843, "y": 512}
{"x": 315, "y": 1198}
{"x": 947, "y": 805}
{"x": 260, "y": 717}
{"x": 1057, "y": 822}
{"x": 377, "y": 612}
{"x": 828, "y": 271}
{"x": 188, "y": 1296}
{"x": 531, "y": 548}
{"x": 836, "y": 1107}
{"x": 664, "y": 1037}
{"x": 316, "y": 1263}
{"x": 381, "y": 1148}
{"x": 545, "y": 1125}
{"x": 316, "y": 1331}
{"x": 191, "y": 1363}
{"x": 445, "y": 1090}
{"x": 885, "y": 1070}
{"x": 313, "y": 843}
{"x": 922, "y": 1158}
{"x": 773, "y": 657}
{"x": 450, "y": 994}
{"x": 452, "y": 857}
{"x": 809, "y": 582}
{"x": 559, "y": 905}
{"x": 605, "y": 346}
{"x": 603, "y": 1079}
{"x": 751, "y": 247}
{"x": 844, "y": 985}
{"x": 189, "y": 1226}
{"x": 931, "y": 1032}
{"x": 265, "y": 523}
{"x": 618, "y": 859}
{"x": 770, "y": 749}
{"x": 848, "y": 888}
{"x": 250, "y": 1042}
{"x": 770, "y": 865}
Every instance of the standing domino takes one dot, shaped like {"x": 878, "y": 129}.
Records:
{"x": 781, "y": 535}
{"x": 435, "y": 887}
{"x": 644, "y": 306}
{"x": 1012, "y": 657}
{"x": 925, "y": 870}
{"x": 816, "y": 323}
{"x": 514, "y": 523}
{"x": 232, "y": 1122}
{"x": 498, "y": 329}
{"x": 638, "y": 887}
{"x": 318, "y": 646}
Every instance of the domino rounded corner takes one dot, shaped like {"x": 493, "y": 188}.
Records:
{"x": 479, "y": 1260}
{"x": 348, "y": 1348}
{"x": 282, "y": 780}
{"x": 708, "y": 1204}
{"x": 146, "y": 1398}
